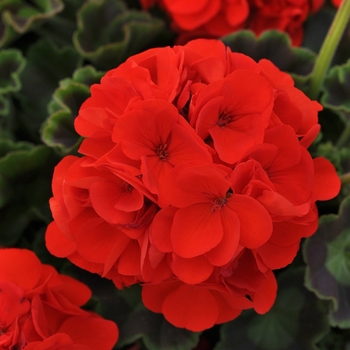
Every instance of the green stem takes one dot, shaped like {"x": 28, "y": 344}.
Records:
{"x": 328, "y": 48}
{"x": 345, "y": 178}
{"x": 344, "y": 137}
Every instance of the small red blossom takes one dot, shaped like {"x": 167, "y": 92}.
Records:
{"x": 195, "y": 180}
{"x": 213, "y": 19}
{"x": 40, "y": 309}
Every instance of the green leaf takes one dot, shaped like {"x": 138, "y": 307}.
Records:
{"x": 25, "y": 187}
{"x": 152, "y": 328}
{"x": 156, "y": 332}
{"x": 11, "y": 64}
{"x": 296, "y": 321}
{"x": 316, "y": 27}
{"x": 46, "y": 66}
{"x": 58, "y": 130}
{"x": 5, "y": 117}
{"x": 122, "y": 34}
{"x": 337, "y": 91}
{"x": 336, "y": 339}
{"x": 18, "y": 16}
{"x": 23, "y": 159}
{"x": 339, "y": 157}
{"x": 275, "y": 46}
{"x": 327, "y": 254}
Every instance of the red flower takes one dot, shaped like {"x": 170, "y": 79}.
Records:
{"x": 100, "y": 221}
{"x": 41, "y": 308}
{"x": 201, "y": 306}
{"x": 206, "y": 204}
{"x": 195, "y": 181}
{"x": 213, "y": 19}
{"x": 234, "y": 114}
{"x": 154, "y": 133}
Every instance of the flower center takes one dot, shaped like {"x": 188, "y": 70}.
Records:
{"x": 162, "y": 153}
{"x": 218, "y": 203}
{"x": 224, "y": 119}
{"x": 127, "y": 187}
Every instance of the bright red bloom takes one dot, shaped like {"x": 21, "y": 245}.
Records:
{"x": 41, "y": 308}
{"x": 206, "y": 204}
{"x": 195, "y": 180}
{"x": 213, "y": 19}
{"x": 88, "y": 202}
{"x": 154, "y": 133}
{"x": 281, "y": 175}
{"x": 291, "y": 106}
{"x": 336, "y": 3}
{"x": 234, "y": 111}
{"x": 59, "y": 341}
{"x": 201, "y": 306}
{"x": 287, "y": 16}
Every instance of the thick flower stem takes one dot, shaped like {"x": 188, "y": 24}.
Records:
{"x": 344, "y": 137}
{"x": 328, "y": 48}
{"x": 345, "y": 178}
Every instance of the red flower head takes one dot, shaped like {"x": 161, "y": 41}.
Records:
{"x": 41, "y": 308}
{"x": 213, "y": 19}
{"x": 195, "y": 181}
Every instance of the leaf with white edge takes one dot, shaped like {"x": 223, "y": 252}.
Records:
{"x": 25, "y": 187}
{"x": 337, "y": 91}
{"x": 275, "y": 46}
{"x": 58, "y": 130}
{"x": 12, "y": 63}
{"x": 5, "y": 118}
{"x": 327, "y": 255}
{"x": 46, "y": 66}
{"x": 153, "y": 329}
{"x": 123, "y": 33}
{"x": 18, "y": 16}
{"x": 156, "y": 332}
{"x": 296, "y": 321}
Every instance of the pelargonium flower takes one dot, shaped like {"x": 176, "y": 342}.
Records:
{"x": 213, "y": 19}
{"x": 41, "y": 309}
{"x": 195, "y": 181}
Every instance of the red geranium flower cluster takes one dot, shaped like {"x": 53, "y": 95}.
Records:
{"x": 216, "y": 18}
{"x": 40, "y": 309}
{"x": 195, "y": 181}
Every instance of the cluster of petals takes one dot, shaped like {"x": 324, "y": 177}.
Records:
{"x": 41, "y": 309}
{"x": 216, "y": 18}
{"x": 194, "y": 181}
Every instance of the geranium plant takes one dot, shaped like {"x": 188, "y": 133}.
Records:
{"x": 195, "y": 183}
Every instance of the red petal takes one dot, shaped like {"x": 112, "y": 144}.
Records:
{"x": 266, "y": 296}
{"x": 57, "y": 243}
{"x": 191, "y": 20}
{"x": 95, "y": 240}
{"x": 73, "y": 290}
{"x": 225, "y": 250}
{"x": 255, "y": 221}
{"x": 193, "y": 270}
{"x": 326, "y": 182}
{"x": 276, "y": 257}
{"x": 94, "y": 332}
{"x": 196, "y": 230}
{"x": 13, "y": 304}
{"x": 192, "y": 183}
{"x": 153, "y": 295}
{"x": 191, "y": 307}
{"x": 129, "y": 262}
{"x": 121, "y": 195}
{"x": 160, "y": 229}
{"x": 20, "y": 266}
